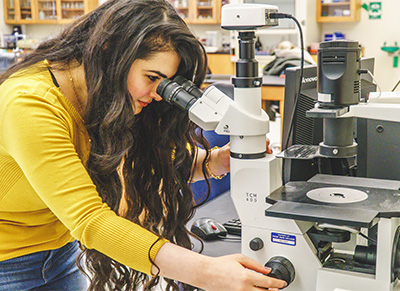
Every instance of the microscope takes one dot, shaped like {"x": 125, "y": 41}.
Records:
{"x": 329, "y": 232}
{"x": 253, "y": 173}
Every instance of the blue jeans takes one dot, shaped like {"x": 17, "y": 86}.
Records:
{"x": 47, "y": 270}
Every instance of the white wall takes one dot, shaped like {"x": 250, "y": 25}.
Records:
{"x": 372, "y": 34}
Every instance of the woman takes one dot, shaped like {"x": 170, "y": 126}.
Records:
{"x": 90, "y": 153}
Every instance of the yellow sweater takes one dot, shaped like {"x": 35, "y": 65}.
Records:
{"x": 47, "y": 198}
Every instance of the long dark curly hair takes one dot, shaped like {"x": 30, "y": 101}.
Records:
{"x": 149, "y": 157}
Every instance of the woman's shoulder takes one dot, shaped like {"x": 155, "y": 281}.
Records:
{"x": 32, "y": 82}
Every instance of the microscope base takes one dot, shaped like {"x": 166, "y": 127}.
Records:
{"x": 283, "y": 231}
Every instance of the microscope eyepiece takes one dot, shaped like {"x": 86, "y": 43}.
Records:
{"x": 175, "y": 94}
{"x": 163, "y": 90}
{"x": 189, "y": 86}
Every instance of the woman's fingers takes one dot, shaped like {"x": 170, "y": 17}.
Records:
{"x": 263, "y": 280}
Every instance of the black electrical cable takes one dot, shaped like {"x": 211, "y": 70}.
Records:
{"x": 368, "y": 238}
{"x": 280, "y": 16}
{"x": 296, "y": 97}
{"x": 396, "y": 86}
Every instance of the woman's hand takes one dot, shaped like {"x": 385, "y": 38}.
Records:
{"x": 233, "y": 272}
{"x": 220, "y": 159}
{"x": 218, "y": 163}
{"x": 236, "y": 272}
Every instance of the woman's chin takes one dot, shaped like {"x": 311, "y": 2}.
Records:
{"x": 137, "y": 110}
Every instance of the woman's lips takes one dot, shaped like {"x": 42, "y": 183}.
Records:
{"x": 143, "y": 104}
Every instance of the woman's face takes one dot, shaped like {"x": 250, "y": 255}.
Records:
{"x": 145, "y": 75}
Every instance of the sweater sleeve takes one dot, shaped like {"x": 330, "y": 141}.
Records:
{"x": 38, "y": 135}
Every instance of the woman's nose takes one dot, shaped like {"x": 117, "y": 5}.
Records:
{"x": 155, "y": 96}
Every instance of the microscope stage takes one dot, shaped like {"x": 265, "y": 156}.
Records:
{"x": 339, "y": 195}
{"x": 336, "y": 200}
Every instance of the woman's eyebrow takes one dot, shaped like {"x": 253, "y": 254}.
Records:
{"x": 158, "y": 73}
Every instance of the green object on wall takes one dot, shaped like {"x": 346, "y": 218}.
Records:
{"x": 365, "y": 6}
{"x": 391, "y": 50}
{"x": 375, "y": 10}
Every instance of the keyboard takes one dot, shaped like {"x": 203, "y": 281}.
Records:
{"x": 233, "y": 226}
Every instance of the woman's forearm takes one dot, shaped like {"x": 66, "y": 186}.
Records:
{"x": 233, "y": 272}
{"x": 174, "y": 261}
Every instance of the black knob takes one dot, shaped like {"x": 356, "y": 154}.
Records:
{"x": 256, "y": 244}
{"x": 282, "y": 269}
{"x": 365, "y": 254}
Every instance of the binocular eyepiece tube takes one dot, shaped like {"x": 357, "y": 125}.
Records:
{"x": 180, "y": 92}
{"x": 188, "y": 86}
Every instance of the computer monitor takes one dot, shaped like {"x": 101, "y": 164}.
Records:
{"x": 305, "y": 131}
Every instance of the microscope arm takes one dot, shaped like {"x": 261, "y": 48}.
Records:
{"x": 216, "y": 111}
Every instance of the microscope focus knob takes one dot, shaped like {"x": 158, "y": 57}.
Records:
{"x": 256, "y": 244}
{"x": 282, "y": 269}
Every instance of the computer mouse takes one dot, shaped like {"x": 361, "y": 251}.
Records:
{"x": 208, "y": 229}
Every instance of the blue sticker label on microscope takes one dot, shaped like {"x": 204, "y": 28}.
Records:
{"x": 284, "y": 239}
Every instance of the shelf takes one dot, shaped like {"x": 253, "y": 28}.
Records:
{"x": 47, "y": 11}
{"x": 336, "y": 19}
{"x": 345, "y": 11}
{"x": 336, "y": 4}
{"x": 209, "y": 10}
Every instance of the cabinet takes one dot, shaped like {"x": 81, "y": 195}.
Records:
{"x": 338, "y": 10}
{"x": 46, "y": 11}
{"x": 220, "y": 64}
{"x": 199, "y": 11}
{"x": 18, "y": 11}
